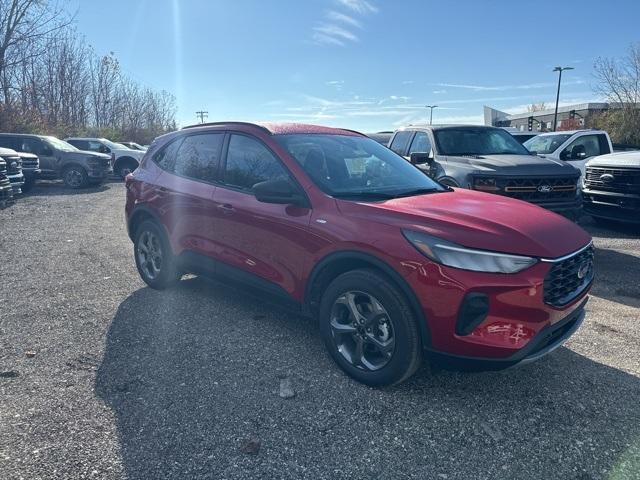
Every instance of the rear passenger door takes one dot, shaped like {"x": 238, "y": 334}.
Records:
{"x": 260, "y": 243}
{"x": 185, "y": 188}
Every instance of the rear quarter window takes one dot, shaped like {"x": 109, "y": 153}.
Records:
{"x": 400, "y": 141}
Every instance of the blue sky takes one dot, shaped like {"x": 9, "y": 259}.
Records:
{"x": 363, "y": 64}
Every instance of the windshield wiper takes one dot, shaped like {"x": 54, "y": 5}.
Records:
{"x": 364, "y": 194}
{"x": 417, "y": 191}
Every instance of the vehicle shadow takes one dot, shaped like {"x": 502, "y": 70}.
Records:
{"x": 192, "y": 373}
{"x": 617, "y": 277}
{"x": 610, "y": 230}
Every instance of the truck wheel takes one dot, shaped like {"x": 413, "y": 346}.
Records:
{"x": 74, "y": 176}
{"x": 369, "y": 328}
{"x": 126, "y": 166}
{"x": 153, "y": 255}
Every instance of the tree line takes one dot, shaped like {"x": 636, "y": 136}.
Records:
{"x": 53, "y": 82}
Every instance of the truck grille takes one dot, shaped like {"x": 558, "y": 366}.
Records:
{"x": 13, "y": 165}
{"x": 539, "y": 190}
{"x": 30, "y": 164}
{"x": 621, "y": 180}
{"x": 6, "y": 192}
{"x": 568, "y": 278}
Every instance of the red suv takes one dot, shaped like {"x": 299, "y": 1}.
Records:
{"x": 392, "y": 263}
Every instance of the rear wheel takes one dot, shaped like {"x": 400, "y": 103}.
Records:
{"x": 74, "y": 176}
{"x": 125, "y": 167}
{"x": 369, "y": 328}
{"x": 154, "y": 258}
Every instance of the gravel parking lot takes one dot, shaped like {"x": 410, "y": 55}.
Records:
{"x": 102, "y": 377}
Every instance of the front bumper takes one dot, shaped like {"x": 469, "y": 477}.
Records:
{"x": 31, "y": 174}
{"x": 17, "y": 181}
{"x": 624, "y": 207}
{"x": 546, "y": 341}
{"x": 99, "y": 173}
{"x": 516, "y": 316}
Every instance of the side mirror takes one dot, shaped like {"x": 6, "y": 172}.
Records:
{"x": 279, "y": 191}
{"x": 533, "y": 152}
{"x": 578, "y": 152}
{"x": 420, "y": 158}
{"x": 103, "y": 149}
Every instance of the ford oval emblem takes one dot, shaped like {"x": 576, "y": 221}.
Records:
{"x": 606, "y": 178}
{"x": 544, "y": 188}
{"x": 583, "y": 270}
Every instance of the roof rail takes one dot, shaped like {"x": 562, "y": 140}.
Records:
{"x": 214, "y": 124}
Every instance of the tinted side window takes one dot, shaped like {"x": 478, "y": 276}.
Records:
{"x": 9, "y": 142}
{"x": 165, "y": 158}
{"x": 421, "y": 143}
{"x": 30, "y": 145}
{"x": 81, "y": 144}
{"x": 94, "y": 146}
{"x": 250, "y": 162}
{"x": 604, "y": 144}
{"x": 198, "y": 156}
{"x": 589, "y": 142}
{"x": 401, "y": 141}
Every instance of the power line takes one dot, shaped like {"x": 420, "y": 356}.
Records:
{"x": 202, "y": 115}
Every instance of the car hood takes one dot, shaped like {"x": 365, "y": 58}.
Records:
{"x": 86, "y": 153}
{"x": 27, "y": 155}
{"x": 478, "y": 220}
{"x": 137, "y": 154}
{"x": 620, "y": 159}
{"x": 515, "y": 165}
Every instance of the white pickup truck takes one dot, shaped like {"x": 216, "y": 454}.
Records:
{"x": 575, "y": 146}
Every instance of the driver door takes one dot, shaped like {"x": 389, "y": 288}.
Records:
{"x": 258, "y": 243}
{"x": 580, "y": 150}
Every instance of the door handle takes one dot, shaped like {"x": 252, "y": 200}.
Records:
{"x": 226, "y": 208}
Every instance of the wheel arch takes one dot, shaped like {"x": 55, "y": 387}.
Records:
{"x": 139, "y": 215}
{"x": 337, "y": 263}
{"x": 124, "y": 159}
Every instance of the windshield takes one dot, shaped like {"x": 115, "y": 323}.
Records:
{"x": 60, "y": 144}
{"x": 477, "y": 141}
{"x": 546, "y": 143}
{"x": 356, "y": 167}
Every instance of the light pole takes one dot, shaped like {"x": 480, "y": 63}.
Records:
{"x": 431, "y": 107}
{"x": 555, "y": 115}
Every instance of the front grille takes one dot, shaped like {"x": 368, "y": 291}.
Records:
{"x": 6, "y": 192}
{"x": 14, "y": 165}
{"x": 30, "y": 163}
{"x": 622, "y": 180}
{"x": 568, "y": 278}
{"x": 3, "y": 167}
{"x": 537, "y": 189}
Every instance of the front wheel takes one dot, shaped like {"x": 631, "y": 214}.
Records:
{"x": 125, "y": 167}
{"x": 154, "y": 258}
{"x": 75, "y": 176}
{"x": 369, "y": 328}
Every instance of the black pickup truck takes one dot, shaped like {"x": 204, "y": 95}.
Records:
{"x": 489, "y": 159}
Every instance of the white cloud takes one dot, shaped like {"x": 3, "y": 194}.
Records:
{"x": 408, "y": 82}
{"x": 501, "y": 88}
{"x": 341, "y": 17}
{"x": 359, "y": 6}
{"x": 322, "y": 39}
{"x": 336, "y": 32}
{"x": 439, "y": 92}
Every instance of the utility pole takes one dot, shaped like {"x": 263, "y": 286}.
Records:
{"x": 431, "y": 107}
{"x": 555, "y": 115}
{"x": 202, "y": 115}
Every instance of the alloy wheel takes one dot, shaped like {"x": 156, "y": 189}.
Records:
{"x": 149, "y": 253}
{"x": 73, "y": 178}
{"x": 362, "y": 330}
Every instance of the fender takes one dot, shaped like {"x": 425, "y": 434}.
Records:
{"x": 381, "y": 265}
{"x": 139, "y": 210}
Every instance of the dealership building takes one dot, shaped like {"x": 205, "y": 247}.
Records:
{"x": 569, "y": 117}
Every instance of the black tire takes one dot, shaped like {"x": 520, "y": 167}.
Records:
{"x": 29, "y": 182}
{"x": 157, "y": 274}
{"x": 126, "y": 166}
{"x": 75, "y": 176}
{"x": 401, "y": 326}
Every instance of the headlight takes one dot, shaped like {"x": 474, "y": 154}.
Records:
{"x": 452, "y": 255}
{"x": 485, "y": 184}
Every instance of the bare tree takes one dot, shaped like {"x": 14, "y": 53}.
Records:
{"x": 536, "y": 107}
{"x": 618, "y": 80}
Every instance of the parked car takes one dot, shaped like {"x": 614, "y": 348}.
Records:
{"x": 6, "y": 192}
{"x": 381, "y": 137}
{"x": 11, "y": 166}
{"x": 30, "y": 169}
{"x": 490, "y": 160}
{"x": 392, "y": 263}
{"x": 58, "y": 159}
{"x": 611, "y": 187}
{"x": 134, "y": 146}
{"x": 574, "y": 147}
{"x": 124, "y": 159}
